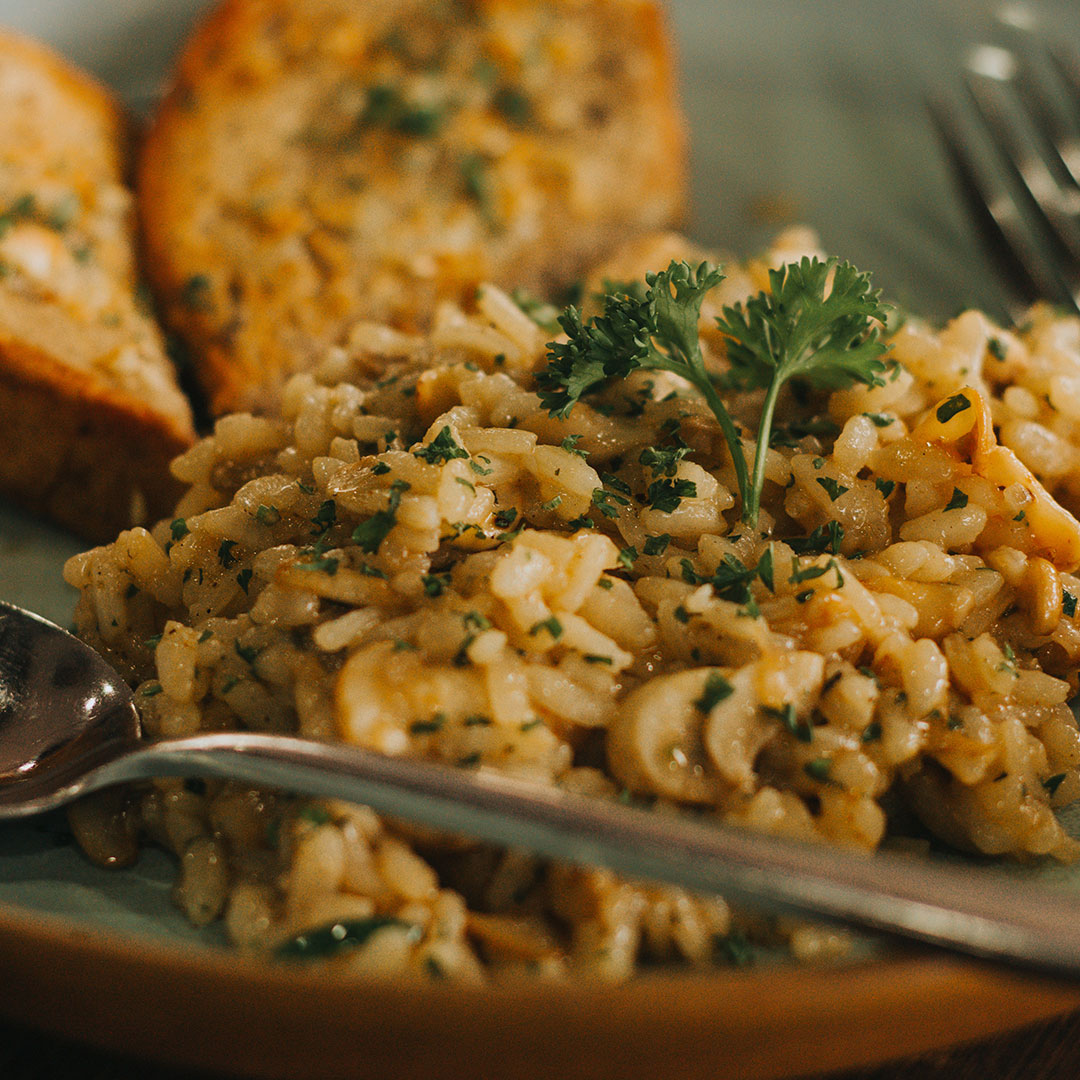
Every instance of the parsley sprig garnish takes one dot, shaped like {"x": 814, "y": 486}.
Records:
{"x": 794, "y": 331}
{"x": 656, "y": 332}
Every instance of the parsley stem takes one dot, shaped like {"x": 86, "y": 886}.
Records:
{"x": 828, "y": 339}
{"x": 731, "y": 434}
{"x": 752, "y": 504}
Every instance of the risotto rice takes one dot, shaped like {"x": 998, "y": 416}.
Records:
{"x": 415, "y": 557}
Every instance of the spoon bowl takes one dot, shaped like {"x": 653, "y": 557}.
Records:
{"x": 63, "y": 711}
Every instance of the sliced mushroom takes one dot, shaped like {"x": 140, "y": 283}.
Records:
{"x": 654, "y": 744}
{"x": 736, "y": 731}
{"x": 739, "y": 726}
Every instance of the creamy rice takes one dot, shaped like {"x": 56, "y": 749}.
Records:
{"x": 416, "y": 558}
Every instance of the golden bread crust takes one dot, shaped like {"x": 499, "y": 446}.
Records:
{"x": 104, "y": 462}
{"x": 320, "y": 164}
{"x": 101, "y": 113}
{"x": 90, "y": 410}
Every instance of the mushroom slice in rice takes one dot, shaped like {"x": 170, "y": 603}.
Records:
{"x": 694, "y": 736}
{"x": 655, "y": 747}
{"x": 740, "y": 726}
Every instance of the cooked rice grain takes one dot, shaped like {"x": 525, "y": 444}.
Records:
{"x": 418, "y": 559}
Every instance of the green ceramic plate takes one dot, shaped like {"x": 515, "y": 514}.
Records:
{"x": 815, "y": 106}
{"x": 810, "y": 106}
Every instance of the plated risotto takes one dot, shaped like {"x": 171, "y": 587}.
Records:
{"x": 749, "y": 547}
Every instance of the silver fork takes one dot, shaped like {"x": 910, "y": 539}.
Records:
{"x": 1013, "y": 140}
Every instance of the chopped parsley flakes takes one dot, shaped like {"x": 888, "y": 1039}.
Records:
{"x": 441, "y": 449}
{"x": 949, "y": 408}
{"x": 665, "y": 495}
{"x": 551, "y": 625}
{"x": 833, "y": 488}
{"x": 715, "y": 690}
{"x": 371, "y": 533}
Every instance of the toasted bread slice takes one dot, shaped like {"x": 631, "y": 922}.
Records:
{"x": 90, "y": 410}
{"x": 327, "y": 162}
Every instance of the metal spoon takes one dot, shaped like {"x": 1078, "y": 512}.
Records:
{"x": 68, "y": 726}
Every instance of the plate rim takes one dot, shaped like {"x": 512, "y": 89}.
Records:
{"x": 146, "y": 998}
{"x": 81, "y": 979}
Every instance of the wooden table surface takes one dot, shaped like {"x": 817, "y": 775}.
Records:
{"x": 1048, "y": 1051}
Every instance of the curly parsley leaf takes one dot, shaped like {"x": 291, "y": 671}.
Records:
{"x": 612, "y": 344}
{"x": 798, "y": 330}
{"x": 656, "y": 331}
{"x": 827, "y": 339}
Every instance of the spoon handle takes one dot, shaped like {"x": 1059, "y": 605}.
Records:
{"x": 967, "y": 908}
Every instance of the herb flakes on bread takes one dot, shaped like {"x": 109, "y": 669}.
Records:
{"x": 326, "y": 163}
{"x": 90, "y": 410}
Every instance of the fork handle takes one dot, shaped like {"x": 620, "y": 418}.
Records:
{"x": 968, "y": 909}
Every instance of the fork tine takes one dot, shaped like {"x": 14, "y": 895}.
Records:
{"x": 1008, "y": 239}
{"x": 1055, "y": 135}
{"x": 1019, "y": 153}
{"x": 1066, "y": 67}
{"x": 1035, "y": 211}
